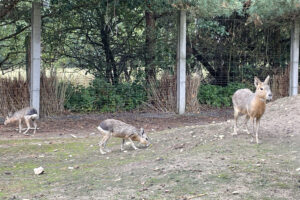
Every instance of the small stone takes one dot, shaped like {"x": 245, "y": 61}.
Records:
{"x": 235, "y": 192}
{"x": 156, "y": 169}
{"x": 159, "y": 159}
{"x": 38, "y": 171}
{"x": 70, "y": 168}
{"x": 118, "y": 179}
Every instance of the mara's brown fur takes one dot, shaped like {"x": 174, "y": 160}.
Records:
{"x": 253, "y": 105}
{"x": 115, "y": 128}
{"x": 27, "y": 114}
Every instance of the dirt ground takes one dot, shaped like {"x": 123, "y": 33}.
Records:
{"x": 193, "y": 156}
{"x": 84, "y": 124}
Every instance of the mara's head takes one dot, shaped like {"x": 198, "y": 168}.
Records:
{"x": 8, "y": 120}
{"x": 262, "y": 88}
{"x": 143, "y": 139}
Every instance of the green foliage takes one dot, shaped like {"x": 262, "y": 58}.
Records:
{"x": 213, "y": 27}
{"x": 104, "y": 97}
{"x": 272, "y": 9}
{"x": 218, "y": 96}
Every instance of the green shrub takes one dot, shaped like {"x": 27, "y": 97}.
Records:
{"x": 104, "y": 97}
{"x": 80, "y": 98}
{"x": 218, "y": 96}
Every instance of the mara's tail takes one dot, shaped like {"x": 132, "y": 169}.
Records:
{"x": 102, "y": 130}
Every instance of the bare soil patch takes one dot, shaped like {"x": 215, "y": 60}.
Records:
{"x": 84, "y": 124}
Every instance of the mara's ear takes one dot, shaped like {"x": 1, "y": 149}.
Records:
{"x": 267, "y": 80}
{"x": 256, "y": 81}
{"x": 10, "y": 114}
{"x": 142, "y": 131}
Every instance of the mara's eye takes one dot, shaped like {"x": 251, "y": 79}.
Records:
{"x": 261, "y": 88}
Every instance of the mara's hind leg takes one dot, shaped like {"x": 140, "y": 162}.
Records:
{"x": 103, "y": 142}
{"x": 236, "y": 116}
{"x": 246, "y": 123}
{"x": 105, "y": 148}
{"x": 28, "y": 125}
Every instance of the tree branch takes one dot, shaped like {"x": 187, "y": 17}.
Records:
{"x": 16, "y": 33}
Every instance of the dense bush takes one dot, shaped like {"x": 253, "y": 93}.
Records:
{"x": 218, "y": 96}
{"x": 104, "y": 97}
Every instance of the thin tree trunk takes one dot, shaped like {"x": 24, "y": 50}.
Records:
{"x": 150, "y": 70}
{"x": 27, "y": 44}
{"x": 112, "y": 74}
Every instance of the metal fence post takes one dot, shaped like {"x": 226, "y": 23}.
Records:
{"x": 35, "y": 56}
{"x": 181, "y": 62}
{"x": 294, "y": 58}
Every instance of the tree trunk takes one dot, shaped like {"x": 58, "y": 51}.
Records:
{"x": 112, "y": 74}
{"x": 27, "y": 44}
{"x": 150, "y": 70}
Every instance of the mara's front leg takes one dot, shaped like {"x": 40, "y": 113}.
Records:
{"x": 35, "y": 126}
{"x": 256, "y": 132}
{"x": 132, "y": 144}
{"x": 122, "y": 144}
{"x": 20, "y": 125}
{"x": 28, "y": 125}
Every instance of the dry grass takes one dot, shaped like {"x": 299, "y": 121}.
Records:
{"x": 280, "y": 83}
{"x": 73, "y": 75}
{"x": 162, "y": 94}
{"x": 15, "y": 94}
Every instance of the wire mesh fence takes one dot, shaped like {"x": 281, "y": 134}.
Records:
{"x": 59, "y": 95}
{"x": 221, "y": 52}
